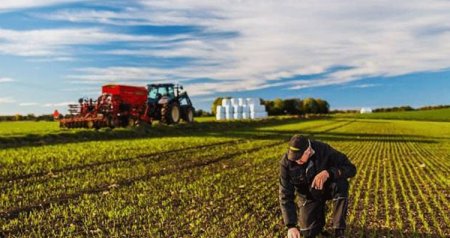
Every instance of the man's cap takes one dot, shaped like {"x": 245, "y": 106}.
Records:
{"x": 297, "y": 146}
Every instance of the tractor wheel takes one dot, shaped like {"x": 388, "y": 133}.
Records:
{"x": 117, "y": 122}
{"x": 90, "y": 124}
{"x": 131, "y": 122}
{"x": 110, "y": 122}
{"x": 170, "y": 113}
{"x": 189, "y": 115}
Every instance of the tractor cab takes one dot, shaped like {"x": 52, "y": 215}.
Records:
{"x": 156, "y": 92}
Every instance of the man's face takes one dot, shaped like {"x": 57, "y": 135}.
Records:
{"x": 306, "y": 155}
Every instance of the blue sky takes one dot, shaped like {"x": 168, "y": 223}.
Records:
{"x": 353, "y": 54}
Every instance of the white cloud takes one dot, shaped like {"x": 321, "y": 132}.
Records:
{"x": 19, "y": 4}
{"x": 203, "y": 99}
{"x": 27, "y": 104}
{"x": 272, "y": 40}
{"x": 119, "y": 74}
{"x": 6, "y": 100}
{"x": 276, "y": 40}
{"x": 6, "y": 80}
{"x": 59, "y": 104}
{"x": 57, "y": 42}
{"x": 368, "y": 85}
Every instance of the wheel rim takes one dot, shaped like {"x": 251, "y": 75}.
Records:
{"x": 131, "y": 122}
{"x": 190, "y": 116}
{"x": 175, "y": 114}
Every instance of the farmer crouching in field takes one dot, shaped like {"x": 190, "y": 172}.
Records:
{"x": 317, "y": 172}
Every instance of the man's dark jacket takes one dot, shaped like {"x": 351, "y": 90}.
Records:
{"x": 295, "y": 177}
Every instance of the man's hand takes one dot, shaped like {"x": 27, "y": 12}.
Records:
{"x": 320, "y": 180}
{"x": 293, "y": 233}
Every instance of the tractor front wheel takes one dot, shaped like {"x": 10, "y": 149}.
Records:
{"x": 189, "y": 115}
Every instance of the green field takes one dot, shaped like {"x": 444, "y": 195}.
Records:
{"x": 422, "y": 115}
{"x": 215, "y": 179}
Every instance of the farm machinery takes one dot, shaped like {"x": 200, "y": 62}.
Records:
{"x": 122, "y": 105}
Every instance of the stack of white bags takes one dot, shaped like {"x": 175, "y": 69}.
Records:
{"x": 240, "y": 108}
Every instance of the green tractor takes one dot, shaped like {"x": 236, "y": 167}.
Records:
{"x": 168, "y": 104}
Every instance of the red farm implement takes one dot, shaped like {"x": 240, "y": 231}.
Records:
{"x": 122, "y": 105}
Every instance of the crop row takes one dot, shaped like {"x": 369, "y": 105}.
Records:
{"x": 182, "y": 187}
{"x": 108, "y": 175}
{"x": 228, "y": 187}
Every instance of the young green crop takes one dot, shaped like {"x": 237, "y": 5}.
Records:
{"x": 220, "y": 180}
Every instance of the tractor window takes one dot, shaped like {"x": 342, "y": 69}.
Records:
{"x": 163, "y": 91}
{"x": 152, "y": 93}
{"x": 171, "y": 94}
{"x": 183, "y": 101}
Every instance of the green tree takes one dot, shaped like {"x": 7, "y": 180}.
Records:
{"x": 293, "y": 106}
{"x": 278, "y": 106}
{"x": 18, "y": 117}
{"x": 269, "y": 106}
{"x": 310, "y": 105}
{"x": 323, "y": 105}
{"x": 30, "y": 117}
{"x": 217, "y": 102}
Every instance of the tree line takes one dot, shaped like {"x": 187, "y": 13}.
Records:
{"x": 28, "y": 117}
{"x": 409, "y": 108}
{"x": 291, "y": 106}
{"x": 395, "y": 109}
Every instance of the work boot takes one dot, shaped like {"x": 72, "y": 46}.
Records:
{"x": 339, "y": 233}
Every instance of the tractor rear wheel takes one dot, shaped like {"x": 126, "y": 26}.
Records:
{"x": 189, "y": 115}
{"x": 170, "y": 113}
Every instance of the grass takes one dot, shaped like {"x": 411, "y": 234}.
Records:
{"x": 215, "y": 179}
{"x": 423, "y": 115}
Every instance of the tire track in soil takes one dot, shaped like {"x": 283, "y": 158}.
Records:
{"x": 53, "y": 177}
{"x": 47, "y": 174}
{"x": 136, "y": 158}
{"x": 256, "y": 185}
{"x": 91, "y": 165}
{"x": 68, "y": 182}
{"x": 81, "y": 233}
{"x": 309, "y": 129}
{"x": 338, "y": 126}
{"x": 5, "y": 179}
{"x": 15, "y": 212}
{"x": 42, "y": 177}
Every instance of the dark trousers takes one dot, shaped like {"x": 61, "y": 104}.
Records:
{"x": 312, "y": 210}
